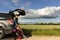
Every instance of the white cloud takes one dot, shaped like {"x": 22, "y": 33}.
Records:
{"x": 47, "y": 12}
{"x": 16, "y": 2}
{"x": 23, "y": 8}
{"x": 27, "y": 4}
{"x": 24, "y": 20}
{"x": 22, "y": 3}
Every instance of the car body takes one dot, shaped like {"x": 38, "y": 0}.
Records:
{"x": 6, "y": 24}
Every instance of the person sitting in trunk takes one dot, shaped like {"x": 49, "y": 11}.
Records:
{"x": 14, "y": 15}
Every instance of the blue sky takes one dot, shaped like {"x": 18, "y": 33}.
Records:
{"x": 30, "y": 4}
{"x": 6, "y": 5}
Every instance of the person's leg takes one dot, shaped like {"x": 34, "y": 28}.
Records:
{"x": 14, "y": 30}
{"x": 19, "y": 29}
{"x": 14, "y": 35}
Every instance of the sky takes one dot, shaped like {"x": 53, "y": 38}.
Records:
{"x": 37, "y": 11}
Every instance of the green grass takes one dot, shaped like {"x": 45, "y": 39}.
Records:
{"x": 41, "y": 29}
{"x": 40, "y": 26}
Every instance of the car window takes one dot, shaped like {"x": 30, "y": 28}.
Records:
{"x": 4, "y": 16}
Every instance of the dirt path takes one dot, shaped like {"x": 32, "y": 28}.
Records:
{"x": 43, "y": 38}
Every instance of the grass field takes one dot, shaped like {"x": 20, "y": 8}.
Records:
{"x": 41, "y": 29}
{"x": 40, "y": 26}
